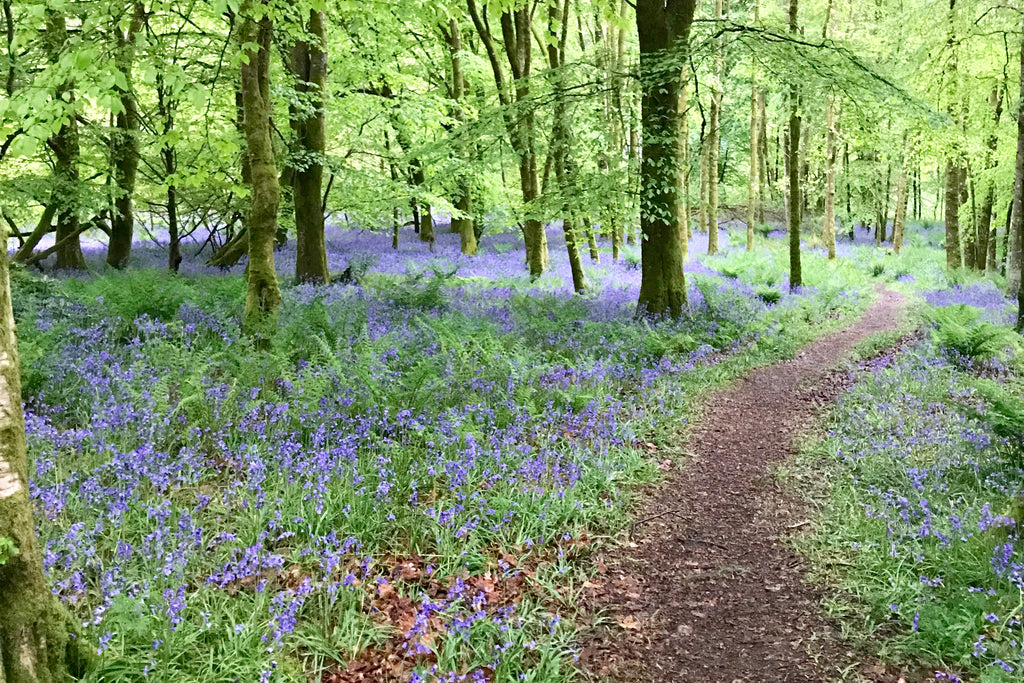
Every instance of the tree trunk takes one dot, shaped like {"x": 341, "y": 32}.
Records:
{"x": 715, "y": 142}
{"x": 954, "y": 170}
{"x": 165, "y": 108}
{"x": 515, "y": 29}
{"x": 309, "y": 69}
{"x": 899, "y": 220}
{"x": 661, "y": 25}
{"x": 986, "y": 235}
{"x": 66, "y": 152}
{"x": 561, "y": 138}
{"x": 263, "y": 296}
{"x": 793, "y": 157}
{"x": 124, "y": 146}
{"x": 43, "y": 227}
{"x": 463, "y": 223}
{"x": 753, "y": 170}
{"x": 828, "y": 226}
{"x": 954, "y": 190}
{"x": 1016, "y": 231}
{"x": 34, "y": 640}
{"x": 684, "y": 163}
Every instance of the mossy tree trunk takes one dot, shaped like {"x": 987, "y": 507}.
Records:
{"x": 755, "y": 164}
{"x": 124, "y": 145}
{"x": 664, "y": 30}
{"x": 715, "y": 133}
{"x": 463, "y": 223}
{"x": 986, "y": 235}
{"x": 828, "y": 225}
{"x": 955, "y": 173}
{"x": 65, "y": 149}
{"x": 309, "y": 68}
{"x": 263, "y": 296}
{"x": 793, "y": 167}
{"x": 900, "y": 218}
{"x": 34, "y": 634}
{"x": 1016, "y": 223}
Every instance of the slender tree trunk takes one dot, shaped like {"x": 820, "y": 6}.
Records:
{"x": 124, "y": 146}
{"x": 263, "y": 296}
{"x": 66, "y": 152}
{"x": 793, "y": 157}
{"x": 986, "y": 233}
{"x": 899, "y": 220}
{"x": 1016, "y": 231}
{"x": 764, "y": 179}
{"x": 309, "y": 69}
{"x": 954, "y": 169}
{"x": 755, "y": 165}
{"x": 661, "y": 25}
{"x": 165, "y": 109}
{"x": 684, "y": 163}
{"x": 715, "y": 141}
{"x": 463, "y": 223}
{"x": 954, "y": 190}
{"x": 828, "y": 226}
{"x": 561, "y": 138}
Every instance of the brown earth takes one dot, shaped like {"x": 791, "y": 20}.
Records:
{"x": 709, "y": 589}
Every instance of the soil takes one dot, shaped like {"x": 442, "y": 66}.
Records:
{"x": 708, "y": 588}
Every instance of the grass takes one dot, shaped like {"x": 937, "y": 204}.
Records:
{"x": 919, "y": 486}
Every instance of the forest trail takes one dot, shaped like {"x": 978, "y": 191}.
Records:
{"x": 710, "y": 591}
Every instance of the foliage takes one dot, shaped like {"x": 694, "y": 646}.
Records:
{"x": 959, "y": 331}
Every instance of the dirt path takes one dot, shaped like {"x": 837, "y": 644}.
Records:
{"x": 712, "y": 592}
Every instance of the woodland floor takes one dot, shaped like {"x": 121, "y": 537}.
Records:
{"x": 710, "y": 590}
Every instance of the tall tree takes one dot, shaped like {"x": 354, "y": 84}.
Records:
{"x": 715, "y": 131}
{"x": 65, "y": 147}
{"x": 124, "y": 144}
{"x": 462, "y": 223}
{"x": 828, "y": 227}
{"x": 955, "y": 172}
{"x": 664, "y": 30}
{"x": 755, "y": 131}
{"x": 1016, "y": 226}
{"x": 263, "y": 296}
{"x": 793, "y": 167}
{"x": 516, "y": 26}
{"x": 309, "y": 69}
{"x": 558, "y": 23}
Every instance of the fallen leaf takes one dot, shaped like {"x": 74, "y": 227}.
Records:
{"x": 628, "y": 622}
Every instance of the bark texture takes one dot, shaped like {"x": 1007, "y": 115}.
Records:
{"x": 793, "y": 167}
{"x": 1016, "y": 231}
{"x": 124, "y": 145}
{"x": 663, "y": 27}
{"x": 309, "y": 68}
{"x": 263, "y": 295}
{"x": 33, "y": 631}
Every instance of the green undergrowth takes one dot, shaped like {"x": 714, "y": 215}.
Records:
{"x": 918, "y": 485}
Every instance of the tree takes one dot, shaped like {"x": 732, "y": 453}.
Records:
{"x": 263, "y": 296}
{"x": 124, "y": 145}
{"x": 664, "y": 31}
{"x": 714, "y": 140}
{"x": 309, "y": 68}
{"x": 462, "y": 223}
{"x": 34, "y": 636}
{"x": 516, "y": 26}
{"x": 793, "y": 166}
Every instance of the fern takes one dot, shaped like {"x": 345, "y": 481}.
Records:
{"x": 959, "y": 331}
